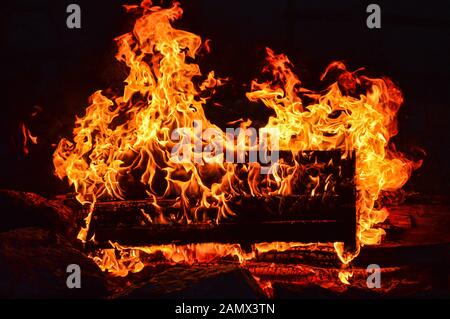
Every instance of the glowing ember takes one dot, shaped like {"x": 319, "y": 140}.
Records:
{"x": 126, "y": 142}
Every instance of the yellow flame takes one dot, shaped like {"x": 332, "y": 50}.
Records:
{"x": 344, "y": 276}
{"x": 341, "y": 119}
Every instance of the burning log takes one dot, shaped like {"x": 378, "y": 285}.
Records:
{"x": 129, "y": 227}
{"x": 321, "y": 217}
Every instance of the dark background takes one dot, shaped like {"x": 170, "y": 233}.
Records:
{"x": 46, "y": 64}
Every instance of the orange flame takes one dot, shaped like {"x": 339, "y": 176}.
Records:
{"x": 344, "y": 276}
{"x": 128, "y": 140}
{"x": 27, "y": 138}
{"x": 340, "y": 119}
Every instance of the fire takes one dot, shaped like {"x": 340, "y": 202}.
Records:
{"x": 342, "y": 119}
{"x": 124, "y": 144}
{"x": 27, "y": 138}
{"x": 120, "y": 260}
{"x": 344, "y": 276}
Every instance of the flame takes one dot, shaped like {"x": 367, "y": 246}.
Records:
{"x": 344, "y": 276}
{"x": 27, "y": 138}
{"x": 125, "y": 142}
{"x": 342, "y": 118}
{"x": 121, "y": 259}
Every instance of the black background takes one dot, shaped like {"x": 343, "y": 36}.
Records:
{"x": 46, "y": 64}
